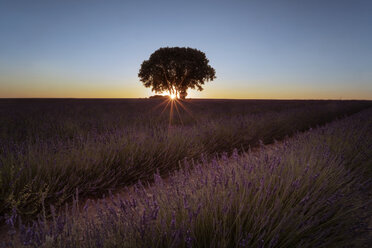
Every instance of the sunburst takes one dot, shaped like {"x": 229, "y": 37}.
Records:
{"x": 172, "y": 96}
{"x": 175, "y": 106}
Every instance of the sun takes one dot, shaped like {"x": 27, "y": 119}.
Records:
{"x": 172, "y": 96}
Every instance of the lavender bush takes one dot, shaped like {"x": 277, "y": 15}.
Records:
{"x": 50, "y": 148}
{"x": 312, "y": 190}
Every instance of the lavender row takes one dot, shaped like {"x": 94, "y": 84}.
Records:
{"x": 104, "y": 150}
{"x": 308, "y": 191}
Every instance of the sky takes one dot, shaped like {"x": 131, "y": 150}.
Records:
{"x": 280, "y": 49}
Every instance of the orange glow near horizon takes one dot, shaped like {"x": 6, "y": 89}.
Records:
{"x": 54, "y": 87}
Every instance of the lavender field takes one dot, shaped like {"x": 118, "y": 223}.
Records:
{"x": 196, "y": 173}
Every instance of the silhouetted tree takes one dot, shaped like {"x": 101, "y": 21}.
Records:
{"x": 175, "y": 69}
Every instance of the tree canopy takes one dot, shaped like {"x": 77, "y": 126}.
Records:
{"x": 176, "y": 69}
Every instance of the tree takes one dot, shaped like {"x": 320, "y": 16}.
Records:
{"x": 176, "y": 69}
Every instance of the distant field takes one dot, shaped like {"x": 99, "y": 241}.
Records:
{"x": 50, "y": 148}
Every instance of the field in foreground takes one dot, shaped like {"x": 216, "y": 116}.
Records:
{"x": 49, "y": 149}
{"x": 311, "y": 190}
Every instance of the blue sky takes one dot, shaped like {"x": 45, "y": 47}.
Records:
{"x": 260, "y": 49}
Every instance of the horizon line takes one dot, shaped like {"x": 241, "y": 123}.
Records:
{"x": 194, "y": 98}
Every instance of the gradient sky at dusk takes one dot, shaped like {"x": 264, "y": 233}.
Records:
{"x": 260, "y": 49}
